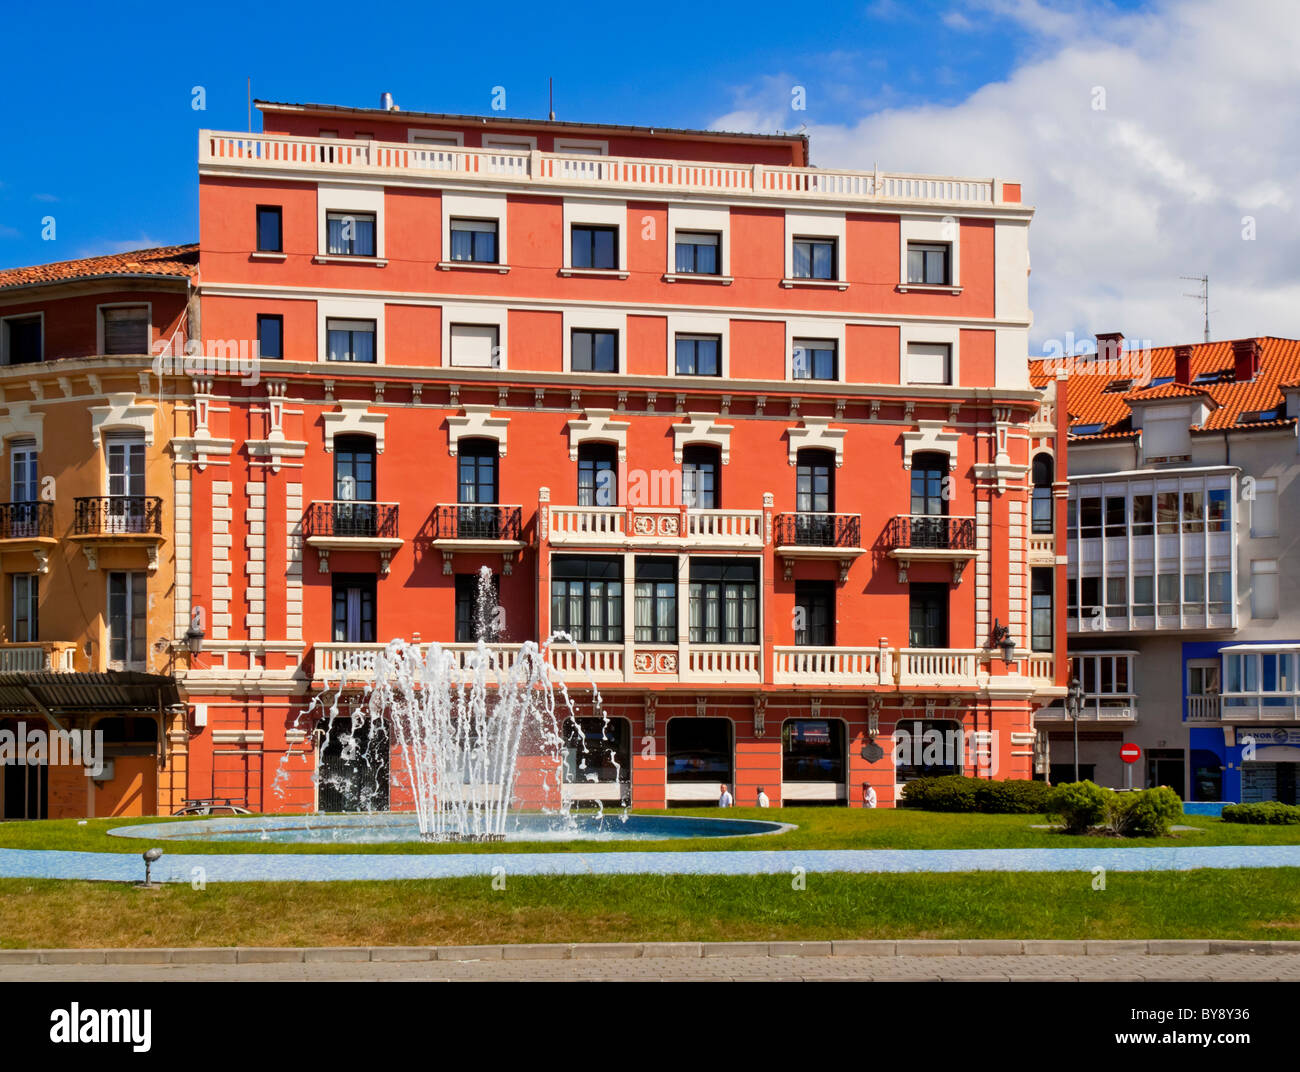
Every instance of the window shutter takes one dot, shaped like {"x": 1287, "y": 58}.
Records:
{"x": 126, "y": 331}
{"x": 472, "y": 345}
{"x": 928, "y": 363}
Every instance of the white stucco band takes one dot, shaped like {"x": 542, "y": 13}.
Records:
{"x": 700, "y": 428}
{"x": 353, "y": 417}
{"x": 122, "y": 414}
{"x": 21, "y": 423}
{"x": 816, "y": 432}
{"x": 930, "y": 436}
{"x": 476, "y": 422}
{"x": 598, "y": 426}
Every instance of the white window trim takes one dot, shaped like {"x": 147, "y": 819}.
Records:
{"x": 598, "y": 426}
{"x": 715, "y": 218}
{"x": 337, "y": 197}
{"x": 597, "y": 214}
{"x": 477, "y": 316}
{"x": 511, "y": 138}
{"x": 21, "y": 423}
{"x": 474, "y": 207}
{"x": 815, "y": 433}
{"x": 702, "y": 429}
{"x": 945, "y": 230}
{"x": 353, "y": 417}
{"x": 414, "y": 134}
{"x": 815, "y": 329}
{"x": 476, "y": 422}
{"x": 945, "y": 334}
{"x": 817, "y": 225}
{"x": 683, "y": 324}
{"x": 4, "y": 333}
{"x": 99, "y": 322}
{"x": 122, "y": 414}
{"x": 347, "y": 309}
{"x": 595, "y": 320}
{"x": 565, "y": 145}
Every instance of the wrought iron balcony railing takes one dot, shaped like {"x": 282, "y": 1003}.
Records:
{"x": 471, "y": 521}
{"x": 26, "y": 520}
{"x": 348, "y": 519}
{"x": 818, "y": 530}
{"x": 931, "y": 532}
{"x": 111, "y": 515}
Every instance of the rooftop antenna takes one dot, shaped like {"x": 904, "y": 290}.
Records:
{"x": 1203, "y": 297}
{"x": 550, "y": 94}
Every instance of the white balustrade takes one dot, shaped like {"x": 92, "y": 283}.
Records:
{"x": 937, "y": 666}
{"x": 829, "y": 666}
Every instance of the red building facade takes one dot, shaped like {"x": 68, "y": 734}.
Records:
{"x": 759, "y": 437}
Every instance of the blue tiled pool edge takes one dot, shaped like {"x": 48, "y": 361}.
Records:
{"x": 273, "y": 867}
{"x": 1204, "y": 807}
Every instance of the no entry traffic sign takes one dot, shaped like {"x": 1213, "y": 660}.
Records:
{"x": 1130, "y": 753}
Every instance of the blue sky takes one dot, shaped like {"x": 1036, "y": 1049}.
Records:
{"x": 107, "y": 147}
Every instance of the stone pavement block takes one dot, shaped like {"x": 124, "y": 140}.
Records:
{"x": 1172, "y": 947}
{"x": 1110, "y": 948}
{"x": 986, "y": 947}
{"x": 74, "y": 956}
{"x": 735, "y": 949}
{"x": 1054, "y": 947}
{"x": 1235, "y": 945}
{"x": 923, "y": 947}
{"x": 468, "y": 952}
{"x": 138, "y": 956}
{"x": 671, "y": 949}
{"x": 391, "y": 953}
{"x": 799, "y": 949}
{"x": 203, "y": 956}
{"x": 539, "y": 951}
{"x": 605, "y": 950}
{"x": 268, "y": 955}
{"x": 863, "y": 948}
{"x": 341, "y": 954}
{"x": 19, "y": 956}
{"x": 1284, "y": 947}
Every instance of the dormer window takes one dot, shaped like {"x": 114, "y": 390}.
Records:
{"x": 1086, "y": 429}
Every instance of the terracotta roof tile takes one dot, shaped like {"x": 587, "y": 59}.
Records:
{"x": 1090, "y": 403}
{"x": 167, "y": 261}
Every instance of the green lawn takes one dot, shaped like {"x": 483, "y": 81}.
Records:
{"x": 1250, "y": 904}
{"x": 817, "y": 828}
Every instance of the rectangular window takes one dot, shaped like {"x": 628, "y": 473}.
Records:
{"x": 1090, "y": 517}
{"x": 927, "y": 616}
{"x": 814, "y": 258}
{"x": 468, "y": 623}
{"x": 1090, "y": 597}
{"x": 594, "y": 247}
{"x": 927, "y": 263}
{"x": 597, "y": 475}
{"x": 1263, "y": 589}
{"x": 697, "y": 253}
{"x": 593, "y": 351}
{"x": 474, "y": 240}
{"x": 23, "y": 481}
{"x": 22, "y": 342}
{"x": 24, "y": 589}
{"x": 354, "y": 608}
{"x": 350, "y": 234}
{"x": 350, "y": 340}
{"x": 815, "y": 359}
{"x": 1221, "y": 592}
{"x": 697, "y": 355}
{"x": 656, "y": 601}
{"x": 126, "y": 329}
{"x": 1167, "y": 513}
{"x": 270, "y": 335}
{"x": 929, "y": 362}
{"x": 1167, "y": 594}
{"x": 1115, "y": 515}
{"x": 1116, "y": 597}
{"x": 587, "y": 599}
{"x": 1041, "y": 626}
{"x": 1144, "y": 595}
{"x": 724, "y": 601}
{"x": 474, "y": 345}
{"x": 1143, "y": 516}
{"x": 814, "y": 603}
{"x": 1193, "y": 511}
{"x": 1263, "y": 510}
{"x": 1218, "y": 510}
{"x": 1194, "y": 591}
{"x": 126, "y": 619}
{"x": 270, "y": 238}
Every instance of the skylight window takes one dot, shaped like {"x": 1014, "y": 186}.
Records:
{"x": 1087, "y": 429}
{"x": 1209, "y": 377}
{"x": 1160, "y": 381}
{"x": 1256, "y": 416}
{"x": 1117, "y": 385}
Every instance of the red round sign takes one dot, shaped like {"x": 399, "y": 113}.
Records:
{"x": 1130, "y": 753}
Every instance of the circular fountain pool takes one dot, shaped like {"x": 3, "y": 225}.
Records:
{"x": 397, "y": 827}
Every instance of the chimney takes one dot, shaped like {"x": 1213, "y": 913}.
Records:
{"x": 386, "y": 102}
{"x": 1245, "y": 359}
{"x": 1182, "y": 364}
{"x": 1110, "y": 348}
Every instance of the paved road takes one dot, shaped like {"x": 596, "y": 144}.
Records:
{"x": 1223, "y": 967}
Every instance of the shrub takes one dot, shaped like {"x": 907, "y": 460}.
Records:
{"x": 1269, "y": 812}
{"x": 953, "y": 792}
{"x": 1146, "y": 813}
{"x": 1079, "y": 805}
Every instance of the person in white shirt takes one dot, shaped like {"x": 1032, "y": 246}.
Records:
{"x": 868, "y": 796}
{"x": 763, "y": 802}
{"x": 726, "y": 800}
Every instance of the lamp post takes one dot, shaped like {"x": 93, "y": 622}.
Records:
{"x": 1073, "y": 705}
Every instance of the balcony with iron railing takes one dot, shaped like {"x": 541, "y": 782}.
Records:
{"x": 816, "y": 535}
{"x": 118, "y": 521}
{"x": 917, "y": 538}
{"x": 476, "y": 528}
{"x": 26, "y": 521}
{"x": 352, "y": 525}
{"x": 226, "y": 151}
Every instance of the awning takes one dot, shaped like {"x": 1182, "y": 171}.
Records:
{"x": 68, "y": 695}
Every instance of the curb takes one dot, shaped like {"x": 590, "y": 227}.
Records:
{"x": 910, "y": 947}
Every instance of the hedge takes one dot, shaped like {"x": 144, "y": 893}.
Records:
{"x": 954, "y": 792}
{"x": 1269, "y": 813}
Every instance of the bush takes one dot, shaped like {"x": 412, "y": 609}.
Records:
{"x": 1146, "y": 813}
{"x": 1268, "y": 813}
{"x": 1079, "y": 805}
{"x": 954, "y": 792}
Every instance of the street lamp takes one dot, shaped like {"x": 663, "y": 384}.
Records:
{"x": 194, "y": 639}
{"x": 1002, "y": 638}
{"x": 1073, "y": 705}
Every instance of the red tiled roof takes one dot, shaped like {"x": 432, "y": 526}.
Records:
{"x": 1090, "y": 403}
{"x": 171, "y": 261}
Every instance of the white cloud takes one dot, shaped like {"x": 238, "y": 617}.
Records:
{"x": 121, "y": 245}
{"x": 1201, "y": 128}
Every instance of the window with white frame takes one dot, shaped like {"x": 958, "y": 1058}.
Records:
{"x": 508, "y": 143}
{"x": 1263, "y": 509}
{"x": 595, "y": 236}
{"x": 699, "y": 355}
{"x": 125, "y": 329}
{"x": 127, "y": 624}
{"x": 929, "y": 251}
{"x": 350, "y": 234}
{"x": 350, "y": 340}
{"x": 1264, "y": 591}
{"x": 697, "y": 253}
{"x": 929, "y": 362}
{"x": 24, "y": 599}
{"x": 1106, "y": 677}
{"x": 1258, "y": 677}
{"x": 593, "y": 350}
{"x": 474, "y": 345}
{"x": 928, "y": 263}
{"x": 815, "y": 359}
{"x": 474, "y": 241}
